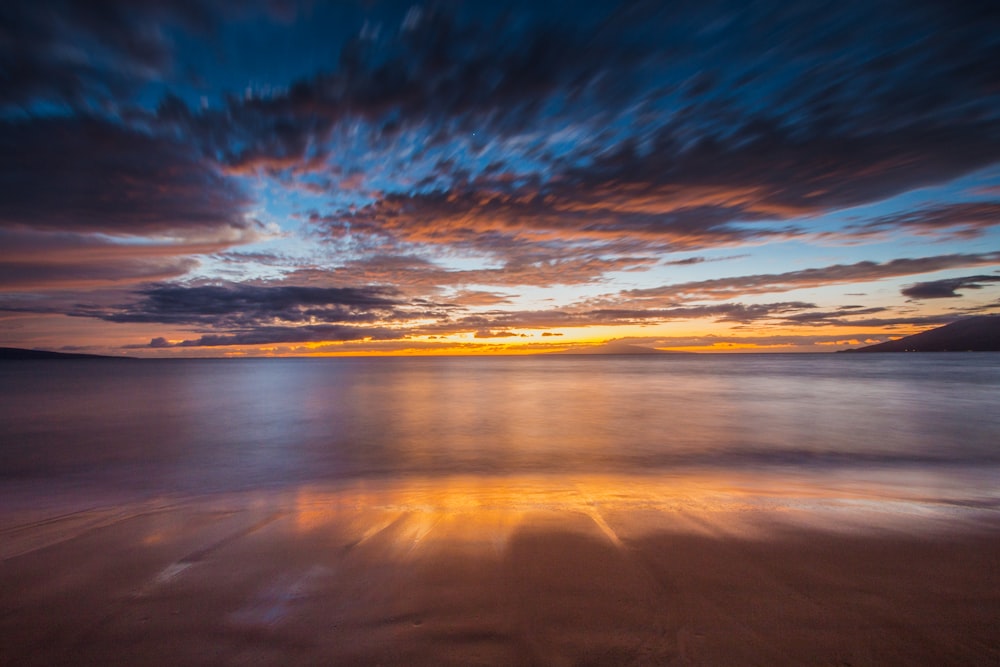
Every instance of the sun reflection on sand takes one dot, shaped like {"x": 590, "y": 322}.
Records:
{"x": 485, "y": 512}
{"x": 641, "y": 569}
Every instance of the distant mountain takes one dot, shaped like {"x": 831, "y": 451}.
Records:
{"x": 9, "y": 353}
{"x": 973, "y": 334}
{"x": 615, "y": 347}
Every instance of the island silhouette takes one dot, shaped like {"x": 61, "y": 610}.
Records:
{"x": 972, "y": 334}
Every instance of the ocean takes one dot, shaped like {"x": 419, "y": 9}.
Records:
{"x": 926, "y": 423}
{"x": 752, "y": 509}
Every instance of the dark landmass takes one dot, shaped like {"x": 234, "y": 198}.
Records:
{"x": 617, "y": 348}
{"x": 15, "y": 353}
{"x": 974, "y": 334}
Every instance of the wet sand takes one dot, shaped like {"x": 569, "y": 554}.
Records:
{"x": 503, "y": 571}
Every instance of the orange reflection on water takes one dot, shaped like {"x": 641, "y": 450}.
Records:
{"x": 484, "y": 513}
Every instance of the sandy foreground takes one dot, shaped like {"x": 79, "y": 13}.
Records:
{"x": 504, "y": 571}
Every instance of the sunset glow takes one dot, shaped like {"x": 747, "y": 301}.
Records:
{"x": 390, "y": 178}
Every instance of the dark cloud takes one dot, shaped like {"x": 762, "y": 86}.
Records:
{"x": 479, "y": 298}
{"x": 446, "y": 74}
{"x": 797, "y": 313}
{"x": 947, "y": 288}
{"x": 79, "y": 53}
{"x": 243, "y": 305}
{"x": 700, "y": 260}
{"x": 86, "y": 203}
{"x": 725, "y": 288}
{"x": 803, "y": 342}
{"x": 989, "y": 308}
{"x": 769, "y": 170}
{"x": 311, "y": 333}
{"x": 259, "y": 315}
{"x": 961, "y": 220}
{"x": 835, "y": 317}
{"x": 479, "y": 218}
{"x": 49, "y": 260}
{"x": 96, "y": 55}
{"x": 686, "y": 262}
{"x": 904, "y": 104}
{"x": 714, "y": 192}
{"x": 85, "y": 174}
{"x": 890, "y": 322}
{"x": 906, "y": 108}
{"x": 720, "y": 169}
{"x": 543, "y": 265}
{"x": 728, "y": 312}
{"x": 486, "y": 333}
{"x": 493, "y": 321}
{"x": 17, "y": 276}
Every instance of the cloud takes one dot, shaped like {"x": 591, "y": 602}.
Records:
{"x": 540, "y": 265}
{"x": 889, "y": 322}
{"x": 32, "y": 260}
{"x": 88, "y": 175}
{"x": 454, "y": 153}
{"x": 486, "y": 333}
{"x": 529, "y": 216}
{"x": 724, "y": 167}
{"x": 960, "y": 220}
{"x": 947, "y": 288}
{"x": 60, "y": 52}
{"x": 445, "y": 75}
{"x": 725, "y": 288}
{"x": 728, "y": 312}
{"x": 627, "y": 120}
{"x": 689, "y": 261}
{"x": 242, "y": 306}
{"x": 683, "y": 196}
{"x": 259, "y": 315}
{"x": 86, "y": 202}
{"x": 276, "y": 334}
{"x": 780, "y": 314}
{"x": 17, "y": 276}
{"x": 94, "y": 55}
{"x": 254, "y": 314}
{"x": 467, "y": 298}
{"x": 499, "y": 320}
{"x": 794, "y": 342}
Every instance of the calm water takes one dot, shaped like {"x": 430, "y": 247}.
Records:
{"x": 213, "y": 425}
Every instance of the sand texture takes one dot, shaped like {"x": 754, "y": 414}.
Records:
{"x": 502, "y": 572}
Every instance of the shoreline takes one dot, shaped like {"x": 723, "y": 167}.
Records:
{"x": 505, "y": 571}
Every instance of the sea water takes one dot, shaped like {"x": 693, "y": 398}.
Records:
{"x": 929, "y": 422}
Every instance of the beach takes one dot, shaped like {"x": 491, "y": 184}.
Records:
{"x": 784, "y": 510}
{"x": 645, "y": 570}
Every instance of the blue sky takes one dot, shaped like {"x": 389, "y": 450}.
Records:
{"x": 248, "y": 178}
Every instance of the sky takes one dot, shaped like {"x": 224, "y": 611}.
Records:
{"x": 267, "y": 178}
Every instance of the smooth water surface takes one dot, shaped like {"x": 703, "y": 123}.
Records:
{"x": 217, "y": 425}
